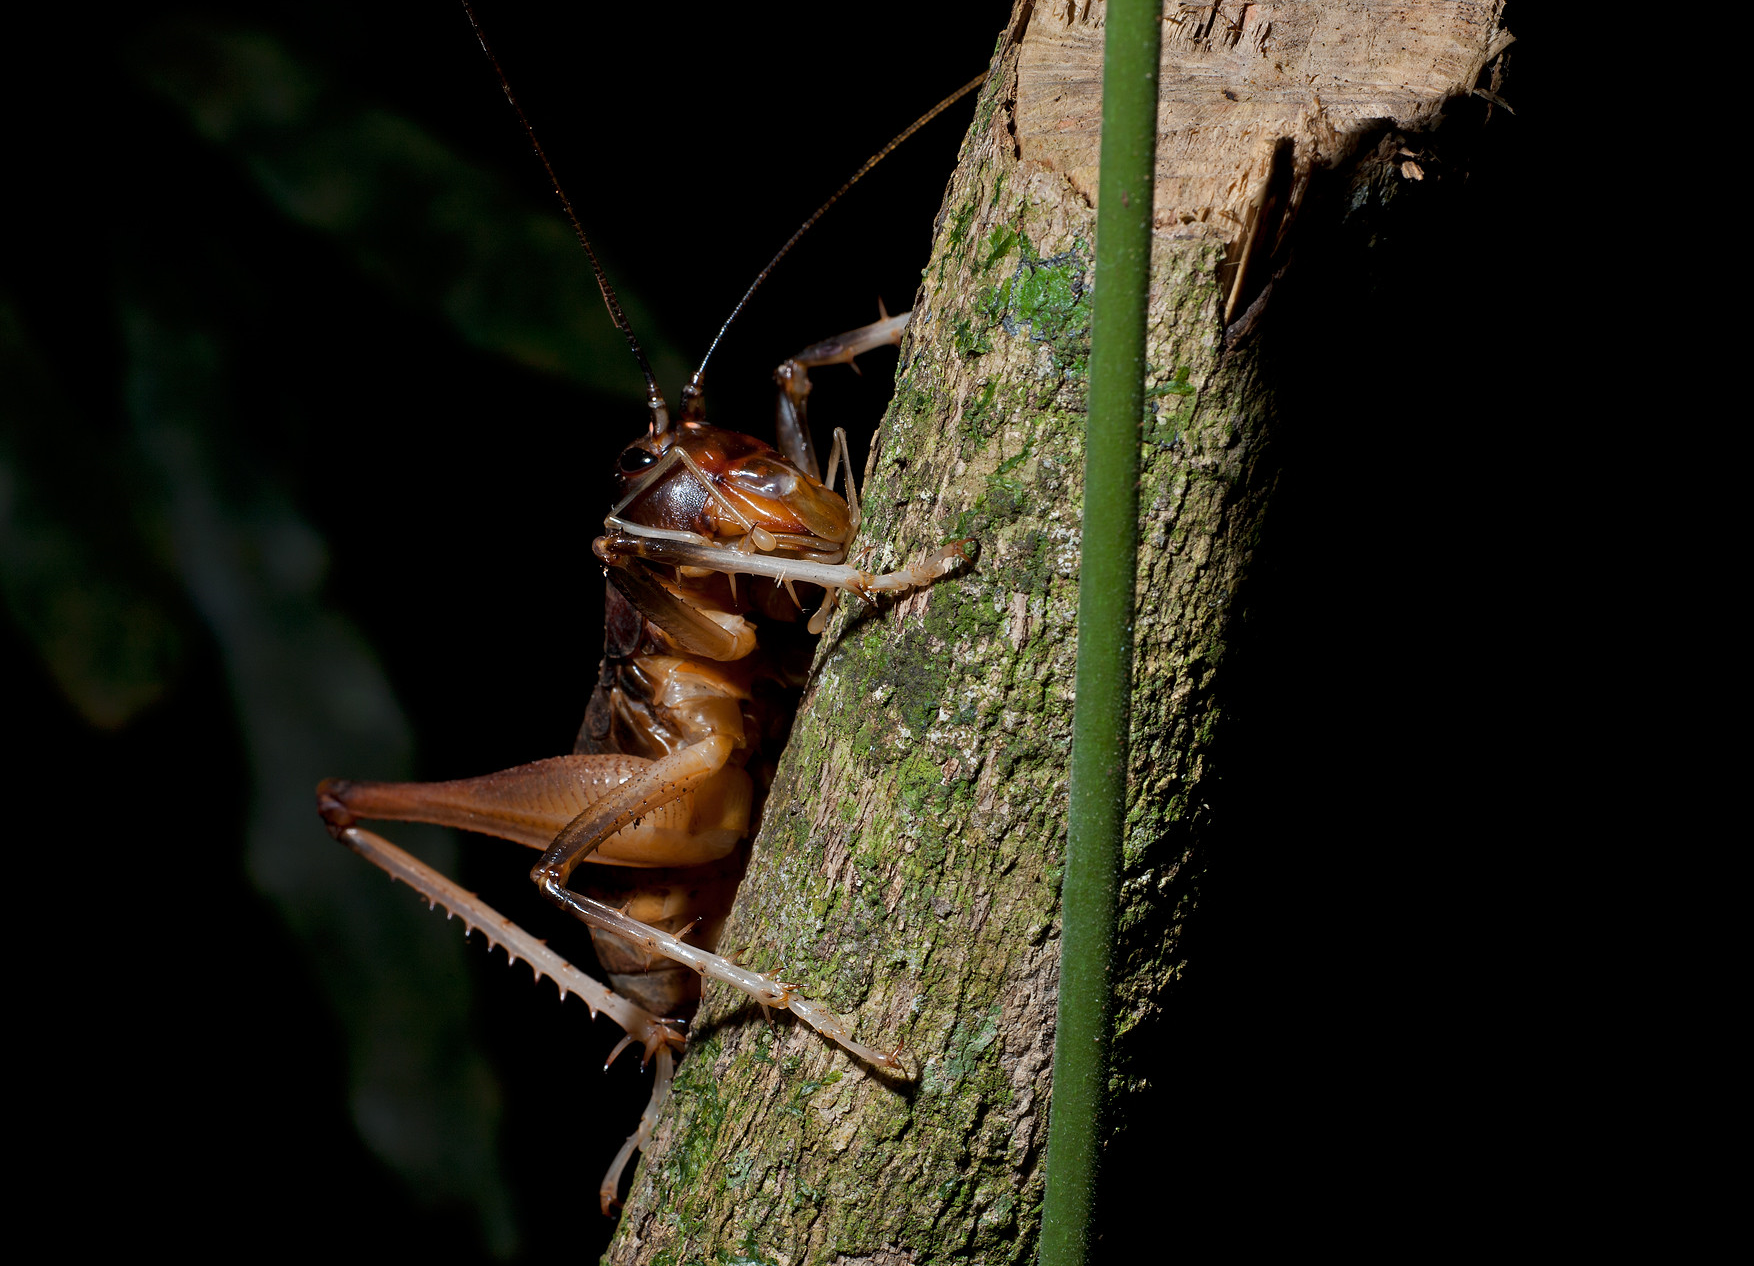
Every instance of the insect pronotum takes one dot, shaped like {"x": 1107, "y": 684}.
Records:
{"x": 721, "y": 553}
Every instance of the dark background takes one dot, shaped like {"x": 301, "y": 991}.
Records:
{"x": 1338, "y": 1019}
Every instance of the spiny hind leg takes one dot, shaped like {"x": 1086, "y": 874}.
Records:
{"x": 534, "y": 803}
{"x": 656, "y": 1037}
{"x": 651, "y": 1032}
{"x": 516, "y": 802}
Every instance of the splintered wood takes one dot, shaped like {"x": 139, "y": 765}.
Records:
{"x": 1239, "y": 79}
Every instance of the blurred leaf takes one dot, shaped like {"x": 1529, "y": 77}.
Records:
{"x": 72, "y": 573}
{"x": 311, "y": 699}
{"x": 440, "y": 233}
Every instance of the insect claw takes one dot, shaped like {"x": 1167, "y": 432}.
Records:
{"x": 620, "y": 1046}
{"x": 660, "y": 1037}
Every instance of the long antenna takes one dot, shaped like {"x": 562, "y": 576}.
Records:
{"x": 692, "y": 390}
{"x": 660, "y": 421}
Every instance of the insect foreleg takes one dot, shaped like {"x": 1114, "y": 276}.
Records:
{"x": 841, "y": 349}
{"x": 837, "y": 454}
{"x": 793, "y": 376}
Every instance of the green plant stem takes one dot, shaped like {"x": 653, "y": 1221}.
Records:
{"x": 1105, "y": 627}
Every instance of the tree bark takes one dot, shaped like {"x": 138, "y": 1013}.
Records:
{"x": 907, "y": 871}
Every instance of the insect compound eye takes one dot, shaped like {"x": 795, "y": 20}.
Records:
{"x": 634, "y": 459}
{"x": 764, "y": 479}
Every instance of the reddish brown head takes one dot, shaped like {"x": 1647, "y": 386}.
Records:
{"x": 722, "y": 485}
